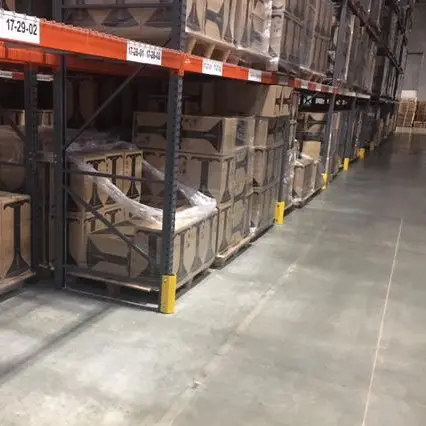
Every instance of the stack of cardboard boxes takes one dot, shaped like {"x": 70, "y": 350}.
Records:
{"x": 307, "y": 30}
{"x": 210, "y": 24}
{"x": 96, "y": 249}
{"x": 273, "y": 106}
{"x": 309, "y": 167}
{"x": 420, "y": 117}
{"x": 15, "y": 240}
{"x": 406, "y": 112}
{"x": 322, "y": 36}
{"x": 214, "y": 158}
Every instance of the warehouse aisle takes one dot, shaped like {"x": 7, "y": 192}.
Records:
{"x": 320, "y": 323}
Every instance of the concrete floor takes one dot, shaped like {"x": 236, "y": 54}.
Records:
{"x": 321, "y": 322}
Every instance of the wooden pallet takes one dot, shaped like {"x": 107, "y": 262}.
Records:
{"x": 223, "y": 258}
{"x": 251, "y": 59}
{"x": 200, "y": 45}
{"x": 312, "y": 76}
{"x": 133, "y": 293}
{"x": 302, "y": 202}
{"x": 15, "y": 283}
{"x": 262, "y": 230}
{"x": 420, "y": 124}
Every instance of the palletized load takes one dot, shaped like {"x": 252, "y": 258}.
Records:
{"x": 306, "y": 35}
{"x": 215, "y": 158}
{"x": 235, "y": 30}
{"x": 96, "y": 251}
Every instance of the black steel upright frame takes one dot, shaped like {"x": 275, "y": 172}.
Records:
{"x": 62, "y": 171}
{"x": 335, "y": 81}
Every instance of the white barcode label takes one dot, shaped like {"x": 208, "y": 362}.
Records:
{"x": 18, "y": 27}
{"x": 6, "y": 74}
{"x": 255, "y": 75}
{"x": 212, "y": 67}
{"x": 144, "y": 53}
{"x": 44, "y": 77}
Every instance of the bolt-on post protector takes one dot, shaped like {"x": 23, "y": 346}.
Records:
{"x": 279, "y": 213}
{"x": 326, "y": 178}
{"x": 346, "y": 164}
{"x": 168, "y": 294}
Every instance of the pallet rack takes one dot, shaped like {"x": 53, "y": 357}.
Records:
{"x": 48, "y": 50}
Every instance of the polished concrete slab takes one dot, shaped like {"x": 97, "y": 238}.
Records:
{"x": 320, "y": 322}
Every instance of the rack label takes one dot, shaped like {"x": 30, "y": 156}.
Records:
{"x": 144, "y": 53}
{"x": 212, "y": 67}
{"x": 18, "y": 27}
{"x": 255, "y": 75}
{"x": 6, "y": 74}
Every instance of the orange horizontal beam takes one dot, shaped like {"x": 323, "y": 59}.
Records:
{"x": 80, "y": 41}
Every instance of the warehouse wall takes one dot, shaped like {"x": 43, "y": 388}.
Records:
{"x": 415, "y": 73}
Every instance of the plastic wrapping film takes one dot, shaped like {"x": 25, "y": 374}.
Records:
{"x": 257, "y": 26}
{"x": 304, "y": 177}
{"x": 277, "y": 26}
{"x": 306, "y": 34}
{"x": 342, "y": 71}
{"x": 216, "y": 28}
{"x": 201, "y": 205}
{"x": 150, "y": 24}
{"x": 288, "y": 176}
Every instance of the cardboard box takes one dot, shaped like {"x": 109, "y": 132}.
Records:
{"x": 312, "y": 149}
{"x": 233, "y": 223}
{"x": 291, "y": 41}
{"x": 260, "y": 26}
{"x": 267, "y": 165}
{"x": 246, "y": 128}
{"x": 86, "y": 188}
{"x": 80, "y": 227}
{"x": 132, "y": 167}
{"x": 263, "y": 206}
{"x": 194, "y": 249}
{"x": 202, "y": 135}
{"x": 9, "y": 5}
{"x": 15, "y": 237}
{"x": 213, "y": 176}
{"x": 268, "y": 133}
{"x": 317, "y": 178}
{"x": 82, "y": 100}
{"x": 244, "y": 98}
{"x": 242, "y": 169}
{"x": 240, "y": 22}
{"x": 151, "y": 24}
{"x": 312, "y": 123}
{"x": 208, "y": 135}
{"x": 198, "y": 97}
{"x": 250, "y": 169}
{"x": 277, "y": 22}
{"x": 302, "y": 183}
{"x": 217, "y": 19}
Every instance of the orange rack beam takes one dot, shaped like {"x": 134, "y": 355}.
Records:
{"x": 40, "y": 35}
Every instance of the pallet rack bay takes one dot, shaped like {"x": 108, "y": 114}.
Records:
{"x": 43, "y": 53}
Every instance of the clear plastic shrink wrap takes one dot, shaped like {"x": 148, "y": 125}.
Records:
{"x": 215, "y": 28}
{"x": 201, "y": 205}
